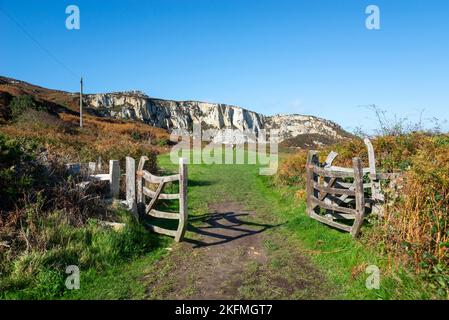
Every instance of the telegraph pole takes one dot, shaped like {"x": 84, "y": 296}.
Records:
{"x": 81, "y": 103}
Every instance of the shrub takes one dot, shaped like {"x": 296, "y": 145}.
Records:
{"x": 19, "y": 170}
{"x": 292, "y": 171}
{"x": 22, "y": 104}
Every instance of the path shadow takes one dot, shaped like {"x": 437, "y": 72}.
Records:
{"x": 220, "y": 228}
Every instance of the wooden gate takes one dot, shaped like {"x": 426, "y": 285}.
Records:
{"x": 144, "y": 179}
{"x": 337, "y": 195}
{"x": 336, "y": 198}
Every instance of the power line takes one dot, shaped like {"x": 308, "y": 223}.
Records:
{"x": 29, "y": 35}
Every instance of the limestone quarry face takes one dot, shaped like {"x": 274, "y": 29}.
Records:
{"x": 224, "y": 120}
{"x": 290, "y": 126}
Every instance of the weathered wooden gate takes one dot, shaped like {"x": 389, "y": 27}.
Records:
{"x": 337, "y": 195}
{"x": 327, "y": 191}
{"x": 144, "y": 179}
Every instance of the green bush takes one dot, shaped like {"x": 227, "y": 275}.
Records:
{"x": 18, "y": 170}
{"x": 21, "y": 104}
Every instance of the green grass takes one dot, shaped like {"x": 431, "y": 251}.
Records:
{"x": 110, "y": 262}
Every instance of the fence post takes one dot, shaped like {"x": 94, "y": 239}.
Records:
{"x": 99, "y": 164}
{"x": 311, "y": 160}
{"x": 140, "y": 185}
{"x": 183, "y": 213}
{"x": 131, "y": 186}
{"x": 359, "y": 196}
{"x": 114, "y": 176}
{"x": 371, "y": 159}
{"x": 92, "y": 168}
{"x": 376, "y": 193}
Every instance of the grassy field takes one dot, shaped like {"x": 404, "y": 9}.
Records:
{"x": 340, "y": 259}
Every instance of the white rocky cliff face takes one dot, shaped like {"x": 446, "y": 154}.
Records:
{"x": 181, "y": 115}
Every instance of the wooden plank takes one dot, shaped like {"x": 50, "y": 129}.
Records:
{"x": 131, "y": 186}
{"x": 329, "y": 183}
{"x": 171, "y": 233}
{"x": 155, "y": 179}
{"x": 342, "y": 216}
{"x": 359, "y": 197}
{"x": 371, "y": 159}
{"x": 183, "y": 212}
{"x": 164, "y": 215}
{"x": 142, "y": 161}
{"x": 162, "y": 196}
{"x": 114, "y": 172}
{"x": 375, "y": 183}
{"x": 326, "y": 172}
{"x": 329, "y": 222}
{"x": 330, "y": 158}
{"x": 139, "y": 188}
{"x": 348, "y": 170}
{"x": 336, "y": 172}
{"x": 155, "y": 197}
{"x": 350, "y": 185}
{"x": 99, "y": 164}
{"x": 334, "y": 191}
{"x": 101, "y": 177}
{"x": 331, "y": 207}
{"x": 312, "y": 159}
{"x": 91, "y": 168}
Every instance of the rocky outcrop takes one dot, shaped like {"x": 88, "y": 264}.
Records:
{"x": 290, "y": 126}
{"x": 181, "y": 115}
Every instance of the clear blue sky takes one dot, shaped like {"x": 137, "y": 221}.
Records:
{"x": 311, "y": 57}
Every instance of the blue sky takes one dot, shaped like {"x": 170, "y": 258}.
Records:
{"x": 310, "y": 57}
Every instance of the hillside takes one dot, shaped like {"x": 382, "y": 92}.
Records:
{"x": 174, "y": 115}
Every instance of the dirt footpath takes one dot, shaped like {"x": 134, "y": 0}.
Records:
{"x": 227, "y": 256}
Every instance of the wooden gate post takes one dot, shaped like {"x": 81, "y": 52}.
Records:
{"x": 311, "y": 160}
{"x": 131, "y": 186}
{"x": 182, "y": 200}
{"x": 114, "y": 176}
{"x": 359, "y": 196}
{"x": 140, "y": 185}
